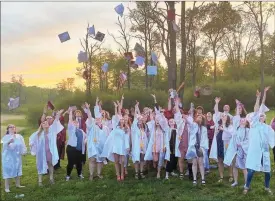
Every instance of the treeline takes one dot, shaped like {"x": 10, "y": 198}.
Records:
{"x": 228, "y": 90}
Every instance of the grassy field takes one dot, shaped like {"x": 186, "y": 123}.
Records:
{"x": 109, "y": 189}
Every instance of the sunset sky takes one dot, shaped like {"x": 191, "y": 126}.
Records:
{"x": 29, "y": 37}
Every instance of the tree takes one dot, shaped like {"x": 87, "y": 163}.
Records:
{"x": 86, "y": 70}
{"x": 145, "y": 30}
{"x": 260, "y": 13}
{"x": 124, "y": 44}
{"x": 220, "y": 19}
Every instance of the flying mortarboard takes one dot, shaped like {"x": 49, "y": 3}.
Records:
{"x": 50, "y": 105}
{"x": 99, "y": 36}
{"x": 175, "y": 26}
{"x": 63, "y": 37}
{"x": 152, "y": 70}
{"x": 139, "y": 61}
{"x": 13, "y": 103}
{"x": 128, "y": 55}
{"x": 82, "y": 57}
{"x": 154, "y": 58}
{"x": 120, "y": 9}
{"x": 105, "y": 67}
{"x": 171, "y": 15}
{"x": 139, "y": 49}
{"x": 91, "y": 30}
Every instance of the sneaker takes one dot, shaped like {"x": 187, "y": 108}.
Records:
{"x": 187, "y": 173}
{"x": 7, "y": 190}
{"x": 181, "y": 176}
{"x": 81, "y": 176}
{"x": 136, "y": 176}
{"x": 230, "y": 179}
{"x": 203, "y": 182}
{"x": 174, "y": 174}
{"x": 67, "y": 178}
{"x": 142, "y": 175}
{"x": 100, "y": 176}
{"x": 268, "y": 191}
{"x": 220, "y": 180}
{"x": 234, "y": 184}
{"x": 166, "y": 177}
{"x": 194, "y": 182}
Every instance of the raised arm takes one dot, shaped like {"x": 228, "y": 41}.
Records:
{"x": 177, "y": 105}
{"x": 192, "y": 110}
{"x": 43, "y": 118}
{"x": 89, "y": 114}
{"x": 121, "y": 101}
{"x": 238, "y": 104}
{"x": 257, "y": 103}
{"x": 180, "y": 87}
{"x": 119, "y": 108}
{"x": 137, "y": 111}
{"x": 115, "y": 104}
{"x": 155, "y": 101}
{"x": 264, "y": 96}
{"x": 216, "y": 107}
{"x": 58, "y": 114}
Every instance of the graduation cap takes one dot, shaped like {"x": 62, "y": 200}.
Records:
{"x": 139, "y": 49}
{"x": 119, "y": 9}
{"x": 105, "y": 67}
{"x": 175, "y": 26}
{"x": 99, "y": 36}
{"x": 50, "y": 105}
{"x": 128, "y": 55}
{"x": 154, "y": 58}
{"x": 133, "y": 64}
{"x": 171, "y": 14}
{"x": 63, "y": 37}
{"x": 82, "y": 57}
{"x": 91, "y": 30}
{"x": 13, "y": 103}
{"x": 206, "y": 90}
{"x": 152, "y": 70}
{"x": 139, "y": 61}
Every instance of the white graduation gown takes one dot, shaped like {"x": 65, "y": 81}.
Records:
{"x": 72, "y": 136}
{"x": 96, "y": 139}
{"x": 37, "y": 145}
{"x": 139, "y": 142}
{"x": 164, "y": 143}
{"x": 180, "y": 127}
{"x": 116, "y": 143}
{"x": 241, "y": 137}
{"x": 261, "y": 137}
{"x": 194, "y": 128}
{"x": 12, "y": 155}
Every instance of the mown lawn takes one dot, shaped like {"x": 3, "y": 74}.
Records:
{"x": 109, "y": 189}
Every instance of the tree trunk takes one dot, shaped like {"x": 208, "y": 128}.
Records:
{"x": 215, "y": 65}
{"x": 128, "y": 74}
{"x": 173, "y": 50}
{"x": 146, "y": 58}
{"x": 262, "y": 50}
{"x": 183, "y": 47}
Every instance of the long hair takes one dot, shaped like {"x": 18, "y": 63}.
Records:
{"x": 227, "y": 123}
{"x": 7, "y": 132}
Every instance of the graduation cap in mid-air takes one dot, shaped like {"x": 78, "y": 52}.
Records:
{"x": 128, "y": 55}
{"x": 63, "y": 37}
{"x": 154, "y": 58}
{"x": 13, "y": 103}
{"x": 99, "y": 36}
{"x": 119, "y": 9}
{"x": 152, "y": 70}
{"x": 105, "y": 67}
{"x": 50, "y": 105}
{"x": 139, "y": 61}
{"x": 82, "y": 57}
{"x": 91, "y": 30}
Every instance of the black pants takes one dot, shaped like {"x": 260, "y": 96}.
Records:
{"x": 172, "y": 164}
{"x": 74, "y": 158}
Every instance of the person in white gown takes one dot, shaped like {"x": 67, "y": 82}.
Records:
{"x": 238, "y": 146}
{"x": 43, "y": 146}
{"x": 117, "y": 144}
{"x": 97, "y": 136}
{"x": 222, "y": 137}
{"x": 13, "y": 149}
{"x": 198, "y": 145}
{"x": 158, "y": 147}
{"x": 139, "y": 143}
{"x": 261, "y": 137}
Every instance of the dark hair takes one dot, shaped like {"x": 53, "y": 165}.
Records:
{"x": 7, "y": 132}
{"x": 227, "y": 123}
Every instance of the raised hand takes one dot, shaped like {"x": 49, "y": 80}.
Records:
{"x": 122, "y": 97}
{"x": 60, "y": 112}
{"x": 154, "y": 96}
{"x": 237, "y": 102}
{"x": 87, "y": 105}
{"x": 266, "y": 89}
{"x": 258, "y": 94}
{"x": 115, "y": 104}
{"x": 137, "y": 104}
{"x": 217, "y": 99}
